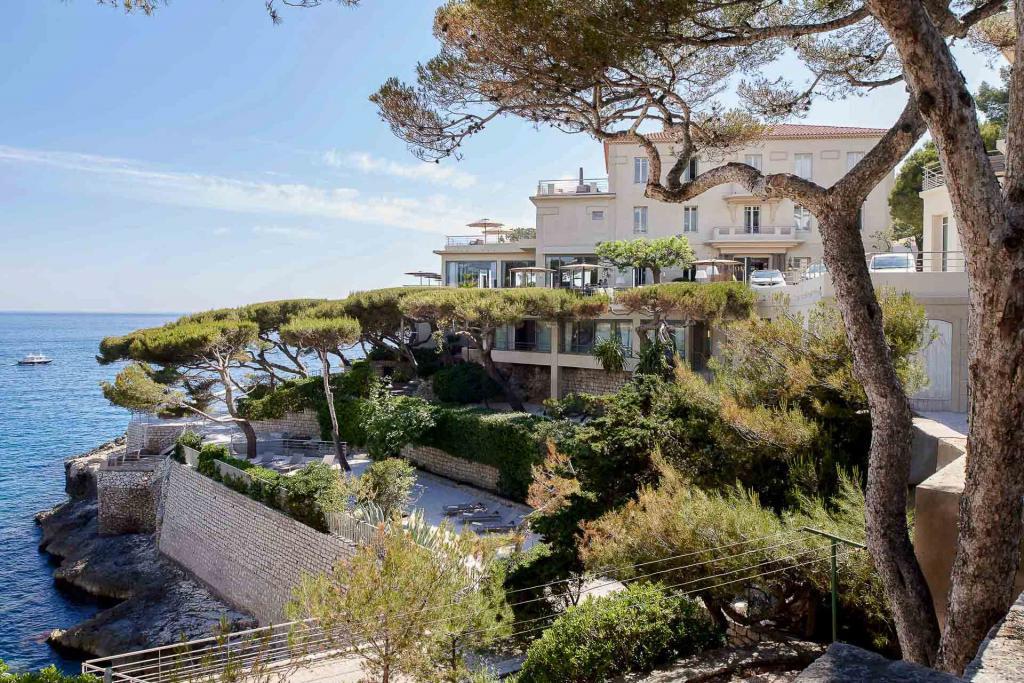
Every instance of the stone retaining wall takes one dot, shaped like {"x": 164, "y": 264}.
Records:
{"x": 247, "y": 553}
{"x": 586, "y": 381}
{"x": 153, "y": 437}
{"x": 296, "y": 424}
{"x": 128, "y": 497}
{"x": 447, "y": 465}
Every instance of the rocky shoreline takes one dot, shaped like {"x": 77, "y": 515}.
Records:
{"x": 157, "y": 602}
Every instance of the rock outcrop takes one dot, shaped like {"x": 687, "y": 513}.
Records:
{"x": 159, "y": 603}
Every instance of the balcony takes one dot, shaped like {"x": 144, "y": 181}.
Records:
{"x": 572, "y": 187}
{"x": 509, "y": 241}
{"x": 933, "y": 177}
{"x": 778, "y": 235}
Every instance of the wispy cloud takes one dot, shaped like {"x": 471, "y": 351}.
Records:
{"x": 287, "y": 232}
{"x": 138, "y": 180}
{"x": 435, "y": 174}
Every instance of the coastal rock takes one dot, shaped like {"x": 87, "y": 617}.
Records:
{"x": 159, "y": 602}
{"x": 80, "y": 470}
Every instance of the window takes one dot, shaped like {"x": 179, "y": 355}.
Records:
{"x": 800, "y": 263}
{"x": 689, "y": 219}
{"x": 754, "y": 160}
{"x": 578, "y": 278}
{"x": 640, "y": 170}
{"x": 520, "y": 279}
{"x": 528, "y": 335}
{"x": 752, "y": 219}
{"x": 597, "y": 215}
{"x": 801, "y": 217}
{"x": 853, "y": 158}
{"x": 581, "y": 335}
{"x": 691, "y": 170}
{"x": 803, "y": 165}
{"x": 640, "y": 219}
{"x": 471, "y": 274}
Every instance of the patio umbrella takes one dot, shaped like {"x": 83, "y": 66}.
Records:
{"x": 425, "y": 275}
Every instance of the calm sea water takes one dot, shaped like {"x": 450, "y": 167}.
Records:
{"x": 47, "y": 413}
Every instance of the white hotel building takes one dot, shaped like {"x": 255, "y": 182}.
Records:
{"x": 573, "y": 216}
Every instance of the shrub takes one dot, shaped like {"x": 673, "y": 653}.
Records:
{"x": 187, "y": 438}
{"x": 464, "y": 383}
{"x": 387, "y": 484}
{"x": 391, "y": 422}
{"x": 428, "y": 361}
{"x": 611, "y": 354}
{"x": 382, "y": 353}
{"x": 351, "y": 420}
{"x": 576, "y": 405}
{"x": 630, "y": 631}
{"x": 49, "y": 674}
{"x": 355, "y": 382}
{"x": 208, "y": 454}
{"x": 311, "y": 492}
{"x": 508, "y": 441}
{"x": 265, "y": 486}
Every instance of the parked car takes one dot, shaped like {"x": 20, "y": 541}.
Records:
{"x": 767, "y": 279}
{"x": 814, "y": 270}
{"x": 893, "y": 262}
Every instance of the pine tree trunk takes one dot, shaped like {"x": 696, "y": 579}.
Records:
{"x": 250, "y": 439}
{"x": 990, "y": 221}
{"x": 888, "y": 538}
{"x": 335, "y": 429}
{"x": 494, "y": 373}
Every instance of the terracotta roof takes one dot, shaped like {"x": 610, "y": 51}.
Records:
{"x": 788, "y": 131}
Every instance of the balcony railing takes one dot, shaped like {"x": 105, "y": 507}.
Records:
{"x": 572, "y": 187}
{"x": 539, "y": 345}
{"x": 917, "y": 262}
{"x": 933, "y": 177}
{"x": 522, "y": 235}
{"x": 744, "y": 232}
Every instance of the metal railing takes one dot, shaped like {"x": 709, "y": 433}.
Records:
{"x": 933, "y": 177}
{"x": 762, "y": 230}
{"x": 310, "y": 448}
{"x": 242, "y": 655}
{"x": 511, "y": 345}
{"x": 572, "y": 186}
{"x": 916, "y": 262}
{"x": 521, "y": 235}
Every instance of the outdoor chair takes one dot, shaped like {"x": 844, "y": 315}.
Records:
{"x": 481, "y": 516}
{"x": 500, "y": 528}
{"x": 331, "y": 460}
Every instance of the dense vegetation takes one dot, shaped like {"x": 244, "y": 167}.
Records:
{"x": 48, "y": 675}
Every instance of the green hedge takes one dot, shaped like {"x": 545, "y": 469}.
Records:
{"x": 297, "y": 395}
{"x": 464, "y": 383}
{"x": 305, "y": 496}
{"x": 508, "y": 441}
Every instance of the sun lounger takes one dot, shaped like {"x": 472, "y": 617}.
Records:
{"x": 503, "y": 528}
{"x": 483, "y": 516}
{"x": 462, "y": 508}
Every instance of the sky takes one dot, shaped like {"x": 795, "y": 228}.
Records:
{"x": 204, "y": 157}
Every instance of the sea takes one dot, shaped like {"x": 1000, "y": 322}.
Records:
{"x": 47, "y": 413}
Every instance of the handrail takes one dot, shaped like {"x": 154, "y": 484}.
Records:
{"x": 572, "y": 186}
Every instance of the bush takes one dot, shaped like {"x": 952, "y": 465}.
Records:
{"x": 508, "y": 441}
{"x": 630, "y": 631}
{"x": 611, "y": 354}
{"x": 391, "y": 422}
{"x": 387, "y": 484}
{"x": 265, "y": 486}
{"x": 464, "y": 383}
{"x": 355, "y": 382}
{"x": 48, "y": 675}
{"x": 428, "y": 361}
{"x": 208, "y": 454}
{"x": 311, "y": 492}
{"x": 575, "y": 405}
{"x": 187, "y": 438}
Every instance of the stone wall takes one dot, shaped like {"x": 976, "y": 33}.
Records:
{"x": 1001, "y": 655}
{"x": 128, "y": 497}
{"x": 153, "y": 437}
{"x": 586, "y": 381}
{"x": 533, "y": 382}
{"x": 446, "y": 465}
{"x": 247, "y": 553}
{"x": 295, "y": 424}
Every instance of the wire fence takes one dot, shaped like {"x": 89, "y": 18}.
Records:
{"x": 268, "y": 653}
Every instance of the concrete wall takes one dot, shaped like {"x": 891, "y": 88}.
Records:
{"x": 247, "y": 553}
{"x": 457, "y": 469}
{"x": 304, "y": 423}
{"x": 936, "y": 513}
{"x": 128, "y": 497}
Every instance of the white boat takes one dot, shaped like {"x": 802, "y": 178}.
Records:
{"x": 35, "y": 359}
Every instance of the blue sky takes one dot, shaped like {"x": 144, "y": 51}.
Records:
{"x": 204, "y": 157}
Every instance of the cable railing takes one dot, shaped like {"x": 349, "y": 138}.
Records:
{"x": 261, "y": 653}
